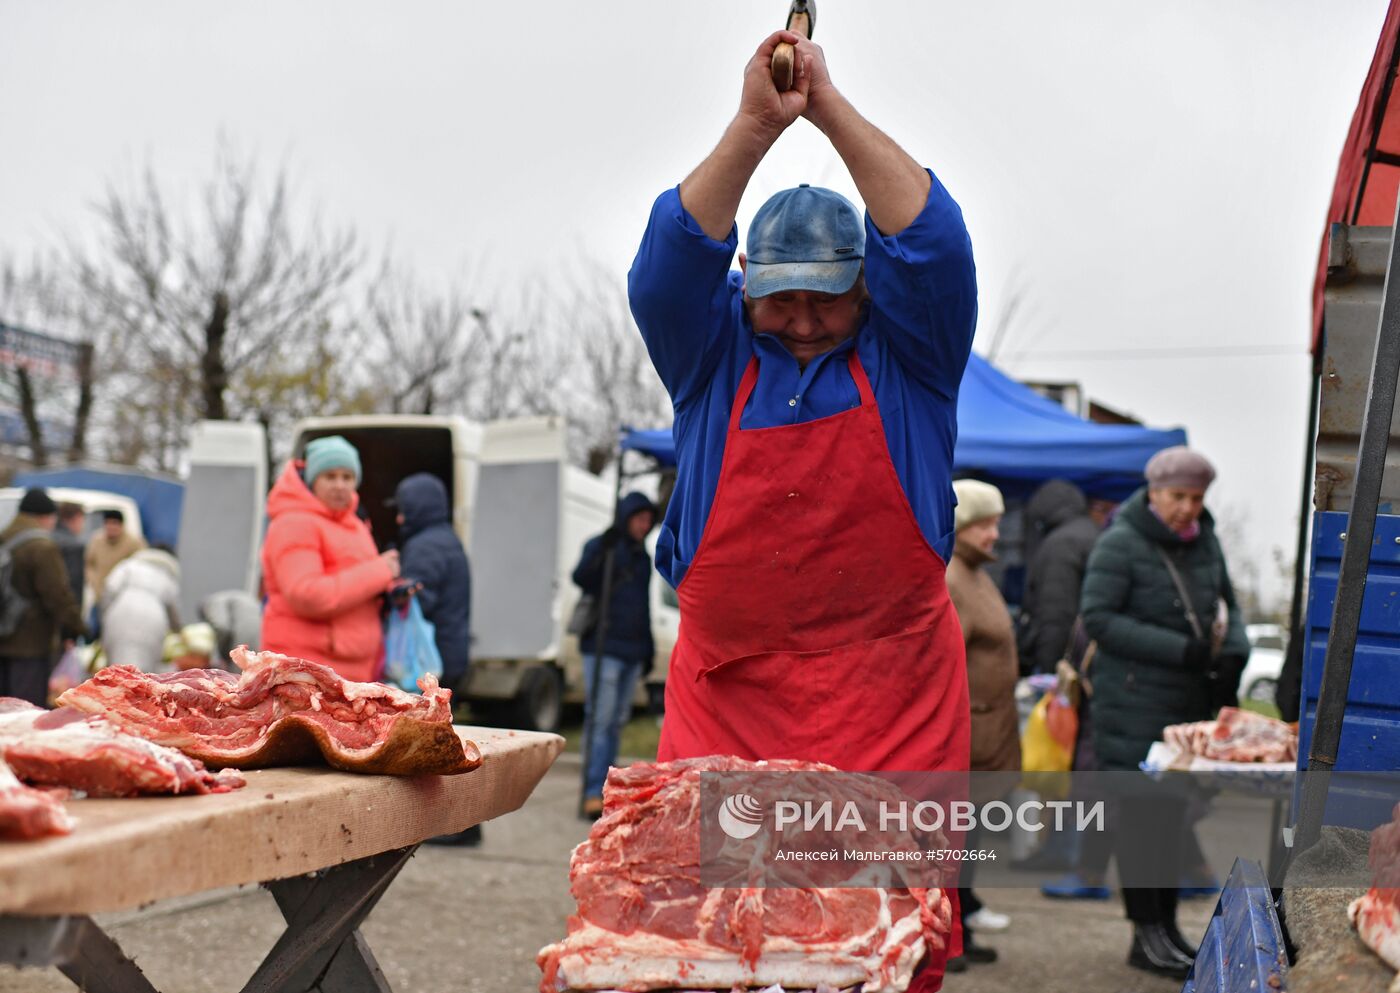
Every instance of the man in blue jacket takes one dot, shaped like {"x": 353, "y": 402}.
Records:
{"x": 432, "y": 554}
{"x": 627, "y": 650}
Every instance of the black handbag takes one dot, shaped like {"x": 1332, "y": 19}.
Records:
{"x": 584, "y": 617}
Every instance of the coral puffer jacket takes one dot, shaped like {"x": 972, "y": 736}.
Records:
{"x": 323, "y": 578}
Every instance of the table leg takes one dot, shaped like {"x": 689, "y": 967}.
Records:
{"x": 322, "y": 948}
{"x": 77, "y": 947}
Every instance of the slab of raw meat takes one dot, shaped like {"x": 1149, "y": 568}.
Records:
{"x": 29, "y": 813}
{"x": 1376, "y": 915}
{"x": 1235, "y": 736}
{"x": 282, "y": 711}
{"x": 1244, "y": 736}
{"x": 646, "y": 922}
{"x": 1189, "y": 739}
{"x": 68, "y": 748}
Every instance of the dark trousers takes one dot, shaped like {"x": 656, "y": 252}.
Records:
{"x": 1150, "y": 842}
{"x": 968, "y": 904}
{"x": 26, "y": 678}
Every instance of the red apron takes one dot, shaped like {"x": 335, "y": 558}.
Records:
{"x": 815, "y": 619}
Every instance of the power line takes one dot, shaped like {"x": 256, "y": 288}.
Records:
{"x": 1186, "y": 352}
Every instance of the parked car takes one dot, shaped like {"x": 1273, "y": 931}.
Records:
{"x": 1259, "y": 681}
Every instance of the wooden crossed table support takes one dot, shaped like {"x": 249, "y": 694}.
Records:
{"x": 326, "y": 844}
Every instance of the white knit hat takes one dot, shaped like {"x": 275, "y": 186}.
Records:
{"x": 976, "y": 501}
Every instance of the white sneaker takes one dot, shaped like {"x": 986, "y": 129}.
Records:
{"x": 987, "y": 919}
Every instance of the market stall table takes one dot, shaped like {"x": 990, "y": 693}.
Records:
{"x": 352, "y": 833}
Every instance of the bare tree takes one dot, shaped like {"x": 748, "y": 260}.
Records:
{"x": 1232, "y": 531}
{"x": 613, "y": 382}
{"x": 420, "y": 342}
{"x": 437, "y": 353}
{"x": 214, "y": 312}
{"x": 42, "y": 298}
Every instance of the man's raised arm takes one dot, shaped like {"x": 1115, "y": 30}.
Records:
{"x": 893, "y": 185}
{"x": 711, "y": 193}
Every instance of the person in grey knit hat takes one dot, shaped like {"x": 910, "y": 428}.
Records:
{"x": 1158, "y": 601}
{"x": 1179, "y": 467}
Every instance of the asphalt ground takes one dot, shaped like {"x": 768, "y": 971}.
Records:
{"x": 472, "y": 920}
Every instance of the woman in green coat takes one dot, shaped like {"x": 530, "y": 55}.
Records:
{"x": 1171, "y": 645}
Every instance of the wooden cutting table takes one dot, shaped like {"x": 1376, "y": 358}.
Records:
{"x": 326, "y": 844}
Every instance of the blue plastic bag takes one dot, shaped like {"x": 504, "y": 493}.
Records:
{"x": 410, "y": 648}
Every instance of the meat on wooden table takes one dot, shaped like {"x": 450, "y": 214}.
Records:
{"x": 283, "y": 711}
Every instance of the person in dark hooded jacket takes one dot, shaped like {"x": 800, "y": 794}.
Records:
{"x": 432, "y": 554}
{"x": 1063, "y": 535}
{"x": 627, "y": 649}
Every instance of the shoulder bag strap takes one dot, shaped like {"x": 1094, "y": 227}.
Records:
{"x": 1188, "y": 608}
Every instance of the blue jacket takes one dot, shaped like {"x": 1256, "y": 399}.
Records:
{"x": 914, "y": 346}
{"x": 431, "y": 553}
{"x": 628, "y": 634}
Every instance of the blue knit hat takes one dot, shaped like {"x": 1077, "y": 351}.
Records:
{"x": 333, "y": 452}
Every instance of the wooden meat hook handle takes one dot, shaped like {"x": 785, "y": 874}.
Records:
{"x": 802, "y": 18}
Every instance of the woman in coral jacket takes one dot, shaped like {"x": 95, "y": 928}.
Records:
{"x": 322, "y": 574}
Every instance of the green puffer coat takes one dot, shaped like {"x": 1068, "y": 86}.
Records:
{"x": 1141, "y": 681}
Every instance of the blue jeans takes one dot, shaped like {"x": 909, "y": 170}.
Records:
{"x": 606, "y": 715}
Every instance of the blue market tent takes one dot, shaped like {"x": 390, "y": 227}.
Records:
{"x": 1016, "y": 438}
{"x": 159, "y": 499}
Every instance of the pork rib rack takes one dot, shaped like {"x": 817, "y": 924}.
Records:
{"x": 646, "y": 922}
{"x": 282, "y": 711}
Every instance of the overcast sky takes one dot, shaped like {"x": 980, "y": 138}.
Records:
{"x": 1141, "y": 176}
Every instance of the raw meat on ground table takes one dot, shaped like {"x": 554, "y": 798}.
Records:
{"x": 1376, "y": 915}
{"x": 646, "y": 922}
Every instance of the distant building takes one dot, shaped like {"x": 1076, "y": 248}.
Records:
{"x": 1071, "y": 397}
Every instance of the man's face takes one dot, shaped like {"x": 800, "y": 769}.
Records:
{"x": 639, "y": 525}
{"x": 335, "y": 488}
{"x": 112, "y": 529}
{"x": 1178, "y": 506}
{"x": 1100, "y": 511}
{"x": 982, "y": 535}
{"x": 808, "y": 324}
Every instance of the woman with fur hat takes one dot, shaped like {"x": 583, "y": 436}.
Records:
{"x": 322, "y": 572}
{"x": 992, "y": 671}
{"x": 1158, "y": 601}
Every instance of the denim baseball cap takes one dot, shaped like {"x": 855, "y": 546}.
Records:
{"x": 808, "y": 238}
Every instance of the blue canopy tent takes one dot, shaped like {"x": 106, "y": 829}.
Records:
{"x": 160, "y": 500}
{"x": 1012, "y": 436}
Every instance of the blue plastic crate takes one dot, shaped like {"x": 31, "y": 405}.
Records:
{"x": 1370, "y": 740}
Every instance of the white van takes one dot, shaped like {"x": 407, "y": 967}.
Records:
{"x": 93, "y": 502}
{"x": 523, "y": 513}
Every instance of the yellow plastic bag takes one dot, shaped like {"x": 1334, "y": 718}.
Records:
{"x": 1047, "y": 746}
